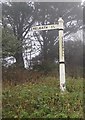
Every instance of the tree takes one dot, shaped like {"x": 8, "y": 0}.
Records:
{"x": 48, "y": 12}
{"x": 20, "y": 17}
{"x": 10, "y": 44}
{"x": 74, "y": 56}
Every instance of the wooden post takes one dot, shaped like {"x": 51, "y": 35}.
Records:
{"x": 61, "y": 56}
{"x": 60, "y": 27}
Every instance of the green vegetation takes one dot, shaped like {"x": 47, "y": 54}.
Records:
{"x": 30, "y": 61}
{"x": 0, "y": 101}
{"x": 43, "y": 99}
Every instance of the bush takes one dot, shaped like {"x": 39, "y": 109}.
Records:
{"x": 46, "y": 67}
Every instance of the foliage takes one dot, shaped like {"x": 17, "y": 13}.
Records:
{"x": 74, "y": 57}
{"x": 43, "y": 99}
{"x": 48, "y": 13}
{"x": 22, "y": 16}
{"x": 46, "y": 67}
{"x": 19, "y": 17}
{"x": 10, "y": 45}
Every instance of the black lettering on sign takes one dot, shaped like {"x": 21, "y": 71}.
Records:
{"x": 52, "y": 26}
{"x": 34, "y": 28}
{"x": 39, "y": 27}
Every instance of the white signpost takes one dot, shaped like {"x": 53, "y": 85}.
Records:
{"x": 60, "y": 27}
{"x": 46, "y": 27}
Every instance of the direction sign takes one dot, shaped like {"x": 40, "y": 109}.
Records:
{"x": 46, "y": 27}
{"x": 60, "y": 27}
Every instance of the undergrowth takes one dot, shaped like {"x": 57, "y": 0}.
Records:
{"x": 43, "y": 99}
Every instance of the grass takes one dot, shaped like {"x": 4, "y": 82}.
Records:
{"x": 0, "y": 100}
{"x": 43, "y": 99}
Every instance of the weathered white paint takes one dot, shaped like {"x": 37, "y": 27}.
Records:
{"x": 46, "y": 27}
{"x": 61, "y": 57}
{"x": 61, "y": 48}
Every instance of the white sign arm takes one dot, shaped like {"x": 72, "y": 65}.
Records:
{"x": 46, "y": 27}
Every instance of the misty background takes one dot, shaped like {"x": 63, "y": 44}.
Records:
{"x": 23, "y": 48}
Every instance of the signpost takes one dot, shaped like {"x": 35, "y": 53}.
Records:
{"x": 46, "y": 27}
{"x": 60, "y": 27}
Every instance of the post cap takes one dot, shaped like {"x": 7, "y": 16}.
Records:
{"x": 60, "y": 20}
